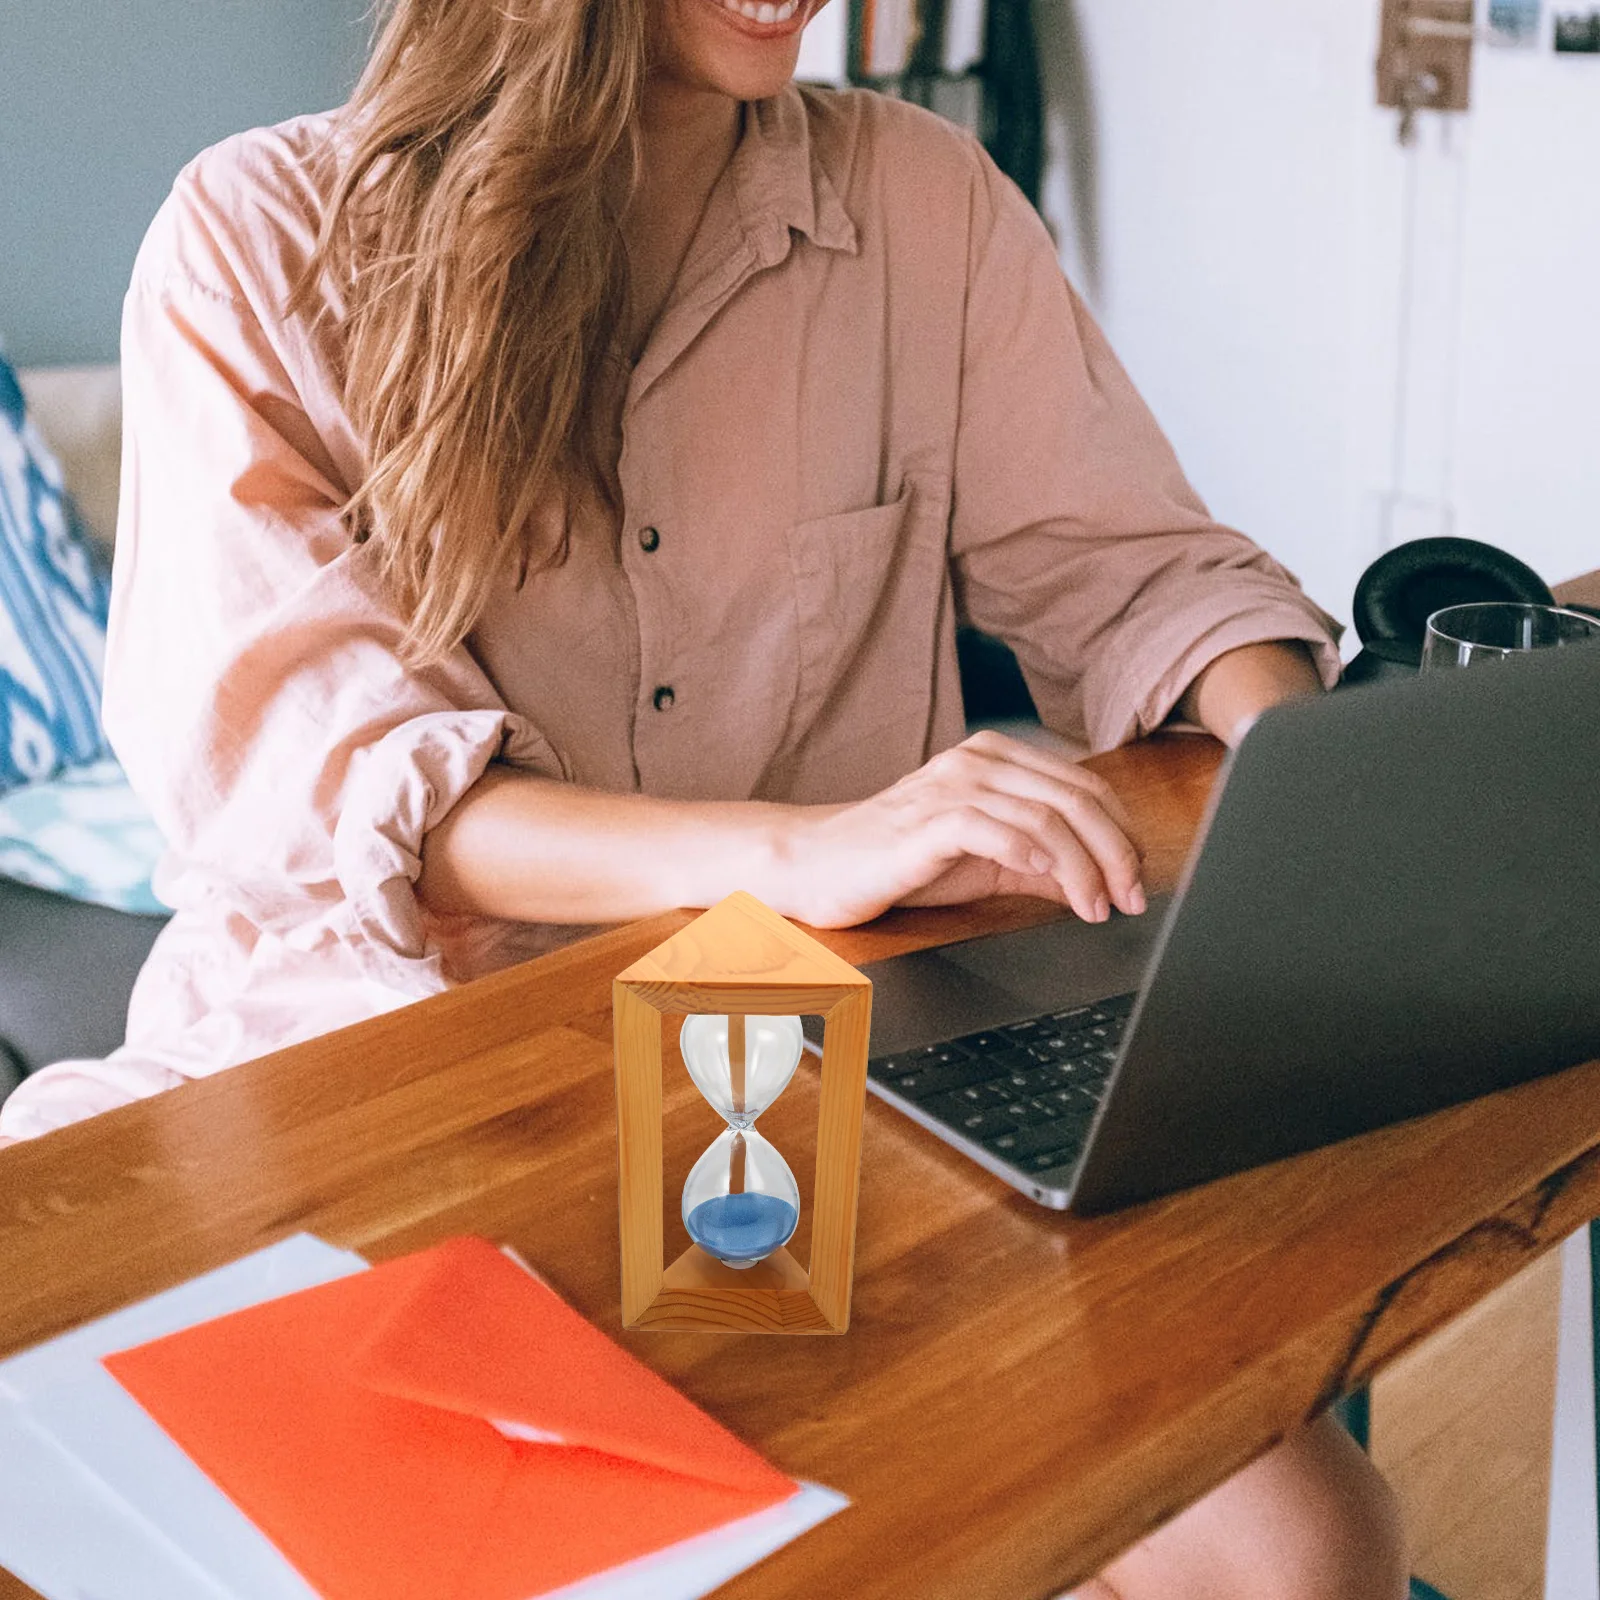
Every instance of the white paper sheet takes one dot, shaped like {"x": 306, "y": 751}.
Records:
{"x": 694, "y": 1568}
{"x": 97, "y": 1503}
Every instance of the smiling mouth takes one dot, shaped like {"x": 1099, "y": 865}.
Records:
{"x": 763, "y": 18}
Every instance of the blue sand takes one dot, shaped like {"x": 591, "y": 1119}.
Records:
{"x": 741, "y": 1227}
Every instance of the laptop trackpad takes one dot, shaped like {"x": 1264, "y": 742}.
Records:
{"x": 933, "y": 995}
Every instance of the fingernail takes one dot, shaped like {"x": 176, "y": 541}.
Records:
{"x": 1102, "y": 909}
{"x": 1136, "y": 900}
{"x": 1039, "y": 861}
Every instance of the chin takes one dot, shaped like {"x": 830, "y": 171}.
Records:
{"x": 756, "y": 85}
{"x": 739, "y": 56}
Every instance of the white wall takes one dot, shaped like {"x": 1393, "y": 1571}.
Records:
{"x": 1572, "y": 1552}
{"x": 823, "y": 46}
{"x": 1528, "y": 408}
{"x": 1349, "y": 344}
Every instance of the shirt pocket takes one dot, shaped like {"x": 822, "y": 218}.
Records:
{"x": 867, "y": 588}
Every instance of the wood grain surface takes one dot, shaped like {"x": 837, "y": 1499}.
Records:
{"x": 1581, "y": 591}
{"x": 1020, "y": 1394}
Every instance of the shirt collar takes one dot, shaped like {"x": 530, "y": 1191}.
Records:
{"x": 775, "y": 186}
{"x": 782, "y": 183}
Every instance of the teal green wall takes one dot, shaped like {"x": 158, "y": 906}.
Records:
{"x": 101, "y": 102}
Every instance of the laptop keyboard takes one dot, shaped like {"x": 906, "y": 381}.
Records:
{"x": 1026, "y": 1092}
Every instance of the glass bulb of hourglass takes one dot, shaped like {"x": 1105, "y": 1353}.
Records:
{"x": 772, "y": 1048}
{"x": 741, "y": 1201}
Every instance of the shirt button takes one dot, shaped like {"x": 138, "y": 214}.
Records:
{"x": 649, "y": 539}
{"x": 663, "y": 698}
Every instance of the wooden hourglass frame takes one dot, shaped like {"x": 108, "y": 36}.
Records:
{"x": 739, "y": 959}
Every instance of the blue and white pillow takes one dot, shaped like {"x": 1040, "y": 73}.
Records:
{"x": 54, "y": 591}
{"x": 84, "y": 834}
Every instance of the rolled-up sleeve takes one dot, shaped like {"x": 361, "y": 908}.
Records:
{"x": 256, "y": 697}
{"x": 1075, "y": 536}
{"x": 254, "y": 689}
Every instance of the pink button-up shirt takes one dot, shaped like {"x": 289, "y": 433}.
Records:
{"x": 871, "y": 407}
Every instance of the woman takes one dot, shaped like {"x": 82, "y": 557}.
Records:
{"x": 550, "y": 486}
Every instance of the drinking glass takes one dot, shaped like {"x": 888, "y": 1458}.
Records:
{"x": 1491, "y": 630}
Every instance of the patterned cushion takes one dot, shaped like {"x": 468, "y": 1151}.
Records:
{"x": 84, "y": 834}
{"x": 53, "y": 594}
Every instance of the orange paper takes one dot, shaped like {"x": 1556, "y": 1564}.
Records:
{"x": 355, "y": 1424}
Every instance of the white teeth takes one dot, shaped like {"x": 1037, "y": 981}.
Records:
{"x": 762, "y": 10}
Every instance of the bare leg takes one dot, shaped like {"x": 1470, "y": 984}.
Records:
{"x": 1311, "y": 1520}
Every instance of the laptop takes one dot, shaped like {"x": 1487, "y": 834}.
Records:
{"x": 1393, "y": 906}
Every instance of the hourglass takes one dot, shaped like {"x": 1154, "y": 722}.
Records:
{"x": 742, "y": 977}
{"x": 741, "y": 1201}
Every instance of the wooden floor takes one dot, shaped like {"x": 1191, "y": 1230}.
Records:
{"x": 1461, "y": 1426}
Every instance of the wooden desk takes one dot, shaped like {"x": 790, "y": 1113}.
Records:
{"x": 1020, "y": 1395}
{"x": 1583, "y": 591}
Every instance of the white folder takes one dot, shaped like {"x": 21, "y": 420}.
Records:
{"x": 97, "y": 1503}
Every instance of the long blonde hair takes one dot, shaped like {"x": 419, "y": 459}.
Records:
{"x": 483, "y": 162}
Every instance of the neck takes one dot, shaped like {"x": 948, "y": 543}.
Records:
{"x": 687, "y": 136}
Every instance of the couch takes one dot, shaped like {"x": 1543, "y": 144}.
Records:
{"x": 67, "y": 968}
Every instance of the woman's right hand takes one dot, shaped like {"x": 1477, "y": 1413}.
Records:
{"x": 993, "y": 815}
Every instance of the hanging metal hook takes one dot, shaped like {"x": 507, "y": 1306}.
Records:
{"x": 1418, "y": 90}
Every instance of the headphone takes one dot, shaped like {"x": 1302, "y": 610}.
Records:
{"x": 1405, "y": 586}
{"x": 1393, "y": 601}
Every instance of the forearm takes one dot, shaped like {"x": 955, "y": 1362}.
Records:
{"x": 1238, "y": 686}
{"x": 533, "y": 849}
